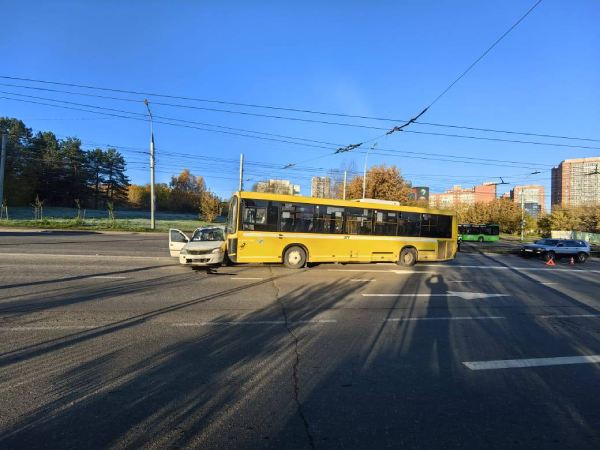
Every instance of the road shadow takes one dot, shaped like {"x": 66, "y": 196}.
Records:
{"x": 181, "y": 394}
{"x": 367, "y": 383}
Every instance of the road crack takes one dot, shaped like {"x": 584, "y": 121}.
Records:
{"x": 295, "y": 379}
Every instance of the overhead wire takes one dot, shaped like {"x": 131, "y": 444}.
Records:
{"x": 287, "y": 141}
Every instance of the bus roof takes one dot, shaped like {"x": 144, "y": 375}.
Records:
{"x": 336, "y": 202}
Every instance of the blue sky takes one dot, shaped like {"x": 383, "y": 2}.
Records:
{"x": 385, "y": 59}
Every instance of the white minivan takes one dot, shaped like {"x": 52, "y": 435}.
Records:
{"x": 206, "y": 247}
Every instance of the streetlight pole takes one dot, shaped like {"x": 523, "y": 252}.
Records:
{"x": 365, "y": 170}
{"x": 522, "y": 216}
{"x": 241, "y": 172}
{"x": 152, "y": 197}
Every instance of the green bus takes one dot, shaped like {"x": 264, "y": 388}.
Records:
{"x": 477, "y": 232}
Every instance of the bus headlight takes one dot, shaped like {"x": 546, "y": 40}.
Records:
{"x": 216, "y": 250}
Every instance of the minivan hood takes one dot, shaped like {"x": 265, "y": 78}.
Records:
{"x": 203, "y": 245}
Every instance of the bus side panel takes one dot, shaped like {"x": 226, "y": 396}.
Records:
{"x": 259, "y": 247}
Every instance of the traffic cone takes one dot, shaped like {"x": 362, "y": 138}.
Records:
{"x": 550, "y": 262}
{"x": 572, "y": 262}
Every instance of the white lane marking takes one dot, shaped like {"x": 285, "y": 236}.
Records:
{"x": 74, "y": 256}
{"x": 54, "y": 327}
{"x": 406, "y": 319}
{"x": 549, "y": 282}
{"x": 568, "y": 315}
{"x": 360, "y": 279}
{"x": 544, "y": 268}
{"x": 441, "y": 266}
{"x": 463, "y": 295}
{"x": 533, "y": 362}
{"x": 400, "y": 272}
{"x": 249, "y": 322}
{"x": 109, "y": 277}
{"x": 246, "y": 278}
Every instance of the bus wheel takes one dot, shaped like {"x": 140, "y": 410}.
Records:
{"x": 294, "y": 257}
{"x": 480, "y": 238}
{"x": 408, "y": 257}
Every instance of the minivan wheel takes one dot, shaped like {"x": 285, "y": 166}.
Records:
{"x": 581, "y": 257}
{"x": 408, "y": 257}
{"x": 294, "y": 257}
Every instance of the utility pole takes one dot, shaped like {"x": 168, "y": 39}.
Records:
{"x": 365, "y": 170}
{"x": 2, "y": 165}
{"x": 345, "y": 174}
{"x": 241, "y": 172}
{"x": 152, "y": 197}
{"x": 522, "y": 216}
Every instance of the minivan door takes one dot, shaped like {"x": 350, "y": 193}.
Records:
{"x": 177, "y": 240}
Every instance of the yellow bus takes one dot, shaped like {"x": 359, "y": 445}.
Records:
{"x": 295, "y": 230}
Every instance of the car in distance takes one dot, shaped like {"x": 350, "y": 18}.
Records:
{"x": 205, "y": 248}
{"x": 555, "y": 248}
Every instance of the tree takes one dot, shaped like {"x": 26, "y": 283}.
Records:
{"x": 384, "y": 183}
{"x": 186, "y": 191}
{"x": 138, "y": 196}
{"x": 563, "y": 219}
{"x": 116, "y": 181}
{"x": 210, "y": 206}
{"x": 18, "y": 191}
{"x": 96, "y": 161}
{"x": 501, "y": 211}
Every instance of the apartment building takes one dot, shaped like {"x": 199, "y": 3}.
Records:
{"x": 531, "y": 196}
{"x": 277, "y": 187}
{"x": 458, "y": 195}
{"x": 320, "y": 187}
{"x": 576, "y": 182}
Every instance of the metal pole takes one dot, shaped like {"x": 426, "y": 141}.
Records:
{"x": 2, "y": 165}
{"x": 241, "y": 172}
{"x": 522, "y": 216}
{"x": 344, "y": 195}
{"x": 152, "y": 197}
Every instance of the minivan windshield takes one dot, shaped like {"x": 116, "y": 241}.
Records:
{"x": 210, "y": 234}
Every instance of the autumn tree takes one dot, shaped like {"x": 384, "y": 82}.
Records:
{"x": 384, "y": 183}
{"x": 504, "y": 212}
{"x": 186, "y": 191}
{"x": 210, "y": 206}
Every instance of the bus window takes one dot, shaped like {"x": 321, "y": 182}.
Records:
{"x": 232, "y": 216}
{"x": 359, "y": 221}
{"x": 386, "y": 223}
{"x": 492, "y": 230}
{"x": 444, "y": 226}
{"x": 409, "y": 224}
{"x": 429, "y": 224}
{"x": 298, "y": 217}
{"x": 255, "y": 216}
{"x": 328, "y": 219}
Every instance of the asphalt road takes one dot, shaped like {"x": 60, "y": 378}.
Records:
{"x": 128, "y": 349}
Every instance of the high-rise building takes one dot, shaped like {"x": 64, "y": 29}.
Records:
{"x": 482, "y": 193}
{"x": 576, "y": 182}
{"x": 531, "y": 196}
{"x": 277, "y": 187}
{"x": 320, "y": 187}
